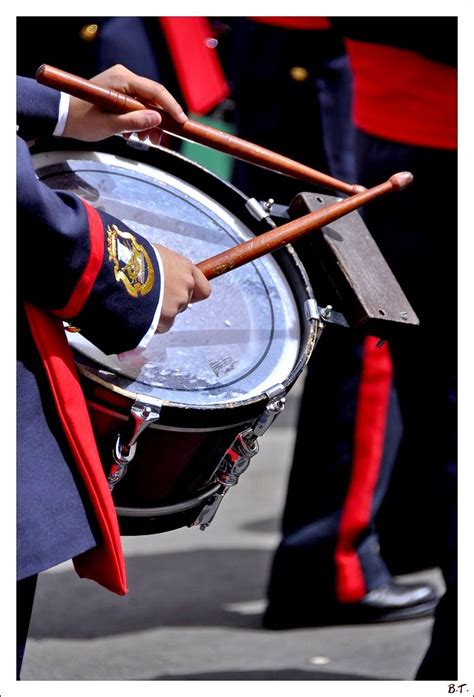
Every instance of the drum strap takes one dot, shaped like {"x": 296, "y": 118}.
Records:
{"x": 104, "y": 563}
{"x": 197, "y": 65}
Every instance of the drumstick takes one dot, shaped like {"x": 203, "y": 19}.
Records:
{"x": 112, "y": 100}
{"x": 274, "y": 239}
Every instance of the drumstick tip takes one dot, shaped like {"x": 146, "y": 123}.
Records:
{"x": 401, "y": 180}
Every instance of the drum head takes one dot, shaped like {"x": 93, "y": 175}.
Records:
{"x": 232, "y": 347}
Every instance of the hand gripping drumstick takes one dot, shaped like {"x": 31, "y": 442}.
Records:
{"x": 112, "y": 100}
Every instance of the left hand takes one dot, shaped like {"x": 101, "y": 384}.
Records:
{"x": 89, "y": 123}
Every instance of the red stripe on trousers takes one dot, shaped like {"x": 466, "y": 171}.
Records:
{"x": 91, "y": 270}
{"x": 104, "y": 563}
{"x": 369, "y": 436}
{"x": 197, "y": 65}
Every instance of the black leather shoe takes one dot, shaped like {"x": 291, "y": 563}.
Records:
{"x": 391, "y": 602}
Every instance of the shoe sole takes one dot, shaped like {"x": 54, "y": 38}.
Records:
{"x": 356, "y": 616}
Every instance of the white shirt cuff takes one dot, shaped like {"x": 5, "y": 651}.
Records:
{"x": 63, "y": 112}
{"x": 156, "y": 318}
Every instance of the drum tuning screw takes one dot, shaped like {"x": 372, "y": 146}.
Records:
{"x": 326, "y": 312}
{"x": 268, "y": 205}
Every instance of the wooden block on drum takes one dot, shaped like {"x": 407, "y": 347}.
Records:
{"x": 372, "y": 300}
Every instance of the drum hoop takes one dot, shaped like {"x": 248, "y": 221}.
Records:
{"x": 127, "y": 512}
{"x": 158, "y": 425}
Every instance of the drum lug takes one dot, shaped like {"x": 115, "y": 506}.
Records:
{"x": 235, "y": 461}
{"x": 142, "y": 414}
{"x": 276, "y": 403}
{"x": 237, "y": 458}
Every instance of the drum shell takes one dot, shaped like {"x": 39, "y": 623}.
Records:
{"x": 171, "y": 465}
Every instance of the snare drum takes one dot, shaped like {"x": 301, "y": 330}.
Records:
{"x": 182, "y": 420}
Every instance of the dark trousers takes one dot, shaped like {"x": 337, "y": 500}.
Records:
{"x": 331, "y": 488}
{"x": 25, "y": 593}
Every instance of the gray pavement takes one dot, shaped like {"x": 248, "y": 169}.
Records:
{"x": 195, "y": 602}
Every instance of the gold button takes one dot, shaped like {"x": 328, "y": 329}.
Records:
{"x": 89, "y": 32}
{"x": 298, "y": 73}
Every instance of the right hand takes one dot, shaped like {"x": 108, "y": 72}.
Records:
{"x": 184, "y": 283}
{"x": 90, "y": 123}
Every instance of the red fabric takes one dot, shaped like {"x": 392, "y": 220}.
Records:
{"x": 369, "y": 435}
{"x": 94, "y": 263}
{"x": 197, "y": 66}
{"x": 105, "y": 563}
{"x": 402, "y": 96}
{"x": 319, "y": 23}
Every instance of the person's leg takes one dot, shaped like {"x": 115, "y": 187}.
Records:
{"x": 328, "y": 566}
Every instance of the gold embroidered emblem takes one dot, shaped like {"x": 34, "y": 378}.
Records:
{"x": 132, "y": 263}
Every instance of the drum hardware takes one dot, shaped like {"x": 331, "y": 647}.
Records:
{"x": 237, "y": 458}
{"x": 326, "y": 312}
{"x": 330, "y": 316}
{"x": 259, "y": 211}
{"x": 168, "y": 510}
{"x": 311, "y": 309}
{"x": 346, "y": 255}
{"x": 141, "y": 415}
{"x": 268, "y": 204}
{"x": 324, "y": 315}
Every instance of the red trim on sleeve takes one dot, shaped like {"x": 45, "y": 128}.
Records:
{"x": 96, "y": 258}
{"x": 369, "y": 436}
{"x": 197, "y": 65}
{"x": 318, "y": 23}
{"x": 104, "y": 563}
{"x": 400, "y": 95}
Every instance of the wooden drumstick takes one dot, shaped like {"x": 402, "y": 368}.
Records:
{"x": 112, "y": 100}
{"x": 274, "y": 239}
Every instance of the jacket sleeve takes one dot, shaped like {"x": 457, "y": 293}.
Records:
{"x": 83, "y": 265}
{"x": 36, "y": 108}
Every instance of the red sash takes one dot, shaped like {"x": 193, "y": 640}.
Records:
{"x": 308, "y": 23}
{"x": 402, "y": 96}
{"x": 105, "y": 563}
{"x": 197, "y": 65}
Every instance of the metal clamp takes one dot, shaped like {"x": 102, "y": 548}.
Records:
{"x": 259, "y": 211}
{"x": 141, "y": 416}
{"x": 329, "y": 316}
{"x": 237, "y": 458}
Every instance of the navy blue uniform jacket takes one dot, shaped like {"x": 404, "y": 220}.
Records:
{"x": 84, "y": 266}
